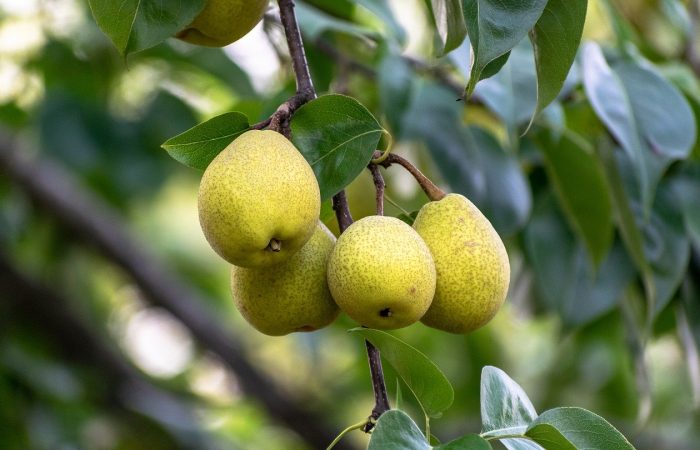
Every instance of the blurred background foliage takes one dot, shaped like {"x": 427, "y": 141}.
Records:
{"x": 578, "y": 327}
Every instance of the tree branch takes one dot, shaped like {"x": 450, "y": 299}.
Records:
{"x": 74, "y": 340}
{"x": 88, "y": 217}
{"x": 378, "y": 187}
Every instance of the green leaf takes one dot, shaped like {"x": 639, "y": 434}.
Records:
{"x": 507, "y": 200}
{"x": 396, "y": 431}
{"x": 199, "y": 145}
{"x": 429, "y": 385}
{"x": 467, "y": 442}
{"x": 512, "y": 93}
{"x": 687, "y": 190}
{"x": 449, "y": 21}
{"x": 555, "y": 40}
{"x": 314, "y": 23}
{"x": 495, "y": 27}
{"x": 135, "y": 25}
{"x": 647, "y": 115}
{"x": 576, "y": 428}
{"x": 337, "y": 136}
{"x": 395, "y": 89}
{"x": 505, "y": 407}
{"x": 566, "y": 281}
{"x": 571, "y": 164}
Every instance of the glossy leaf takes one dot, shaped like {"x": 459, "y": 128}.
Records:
{"x": 495, "y": 27}
{"x": 467, "y": 442}
{"x": 575, "y": 428}
{"x": 197, "y": 146}
{"x": 337, "y": 136}
{"x": 565, "y": 279}
{"x": 647, "y": 115}
{"x": 429, "y": 385}
{"x": 505, "y": 407}
{"x": 571, "y": 165}
{"x": 314, "y": 23}
{"x": 135, "y": 25}
{"x": 396, "y": 431}
{"x": 449, "y": 22}
{"x": 520, "y": 444}
{"x": 507, "y": 199}
{"x": 435, "y": 118}
{"x": 555, "y": 40}
{"x": 512, "y": 92}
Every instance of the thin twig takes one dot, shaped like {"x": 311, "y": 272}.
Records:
{"x": 381, "y": 399}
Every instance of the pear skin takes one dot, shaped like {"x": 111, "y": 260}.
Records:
{"x": 291, "y": 296}
{"x": 259, "y": 200}
{"x": 381, "y": 273}
{"x": 222, "y": 22}
{"x": 472, "y": 265}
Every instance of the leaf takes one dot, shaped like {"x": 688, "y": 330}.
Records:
{"x": 507, "y": 199}
{"x": 575, "y": 428}
{"x": 687, "y": 190}
{"x": 571, "y": 164}
{"x": 449, "y": 22}
{"x": 647, "y": 115}
{"x": 565, "y": 280}
{"x": 512, "y": 93}
{"x": 505, "y": 407}
{"x": 555, "y": 40}
{"x": 429, "y": 385}
{"x": 314, "y": 23}
{"x": 520, "y": 444}
{"x": 435, "y": 118}
{"x": 467, "y": 442}
{"x": 135, "y": 25}
{"x": 199, "y": 145}
{"x": 337, "y": 136}
{"x": 396, "y": 431}
{"x": 495, "y": 27}
{"x": 395, "y": 89}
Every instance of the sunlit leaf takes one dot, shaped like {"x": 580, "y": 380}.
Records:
{"x": 135, "y": 25}
{"x": 199, "y": 145}
{"x": 337, "y": 136}
{"x": 432, "y": 390}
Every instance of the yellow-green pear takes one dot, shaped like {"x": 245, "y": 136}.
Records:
{"x": 259, "y": 200}
{"x": 291, "y": 296}
{"x": 222, "y": 22}
{"x": 471, "y": 262}
{"x": 381, "y": 273}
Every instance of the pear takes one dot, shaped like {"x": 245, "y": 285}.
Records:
{"x": 381, "y": 273}
{"x": 471, "y": 262}
{"x": 222, "y": 22}
{"x": 291, "y": 296}
{"x": 259, "y": 200}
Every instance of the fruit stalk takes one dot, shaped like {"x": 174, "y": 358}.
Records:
{"x": 379, "y": 187}
{"x": 433, "y": 192}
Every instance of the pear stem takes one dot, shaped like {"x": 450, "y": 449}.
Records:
{"x": 280, "y": 122}
{"x": 379, "y": 187}
{"x": 433, "y": 192}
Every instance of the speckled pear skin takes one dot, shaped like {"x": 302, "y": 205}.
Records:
{"x": 222, "y": 22}
{"x": 258, "y": 188}
{"x": 472, "y": 266}
{"x": 291, "y": 296}
{"x": 381, "y": 273}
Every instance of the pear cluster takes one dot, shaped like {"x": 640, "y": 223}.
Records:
{"x": 259, "y": 206}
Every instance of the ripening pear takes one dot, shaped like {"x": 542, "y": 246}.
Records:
{"x": 222, "y": 22}
{"x": 259, "y": 200}
{"x": 381, "y": 273}
{"x": 471, "y": 262}
{"x": 291, "y": 296}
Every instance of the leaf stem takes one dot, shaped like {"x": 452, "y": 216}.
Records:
{"x": 346, "y": 431}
